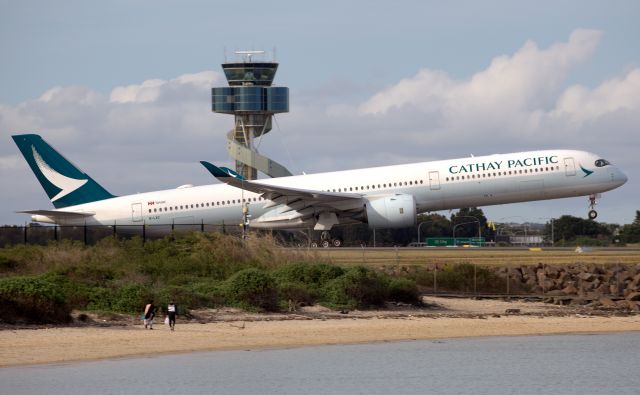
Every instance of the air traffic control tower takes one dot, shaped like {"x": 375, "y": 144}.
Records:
{"x": 253, "y": 102}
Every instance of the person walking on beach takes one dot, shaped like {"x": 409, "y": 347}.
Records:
{"x": 149, "y": 313}
{"x": 172, "y": 309}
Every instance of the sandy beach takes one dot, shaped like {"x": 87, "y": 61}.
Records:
{"x": 453, "y": 318}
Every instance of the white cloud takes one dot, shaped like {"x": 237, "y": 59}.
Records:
{"x": 150, "y": 90}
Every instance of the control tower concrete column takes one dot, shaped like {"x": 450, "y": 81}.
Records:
{"x": 253, "y": 102}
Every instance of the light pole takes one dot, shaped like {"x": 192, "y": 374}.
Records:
{"x": 476, "y": 219}
{"x": 419, "y": 225}
{"x": 455, "y": 226}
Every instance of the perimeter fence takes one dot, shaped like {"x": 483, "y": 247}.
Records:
{"x": 91, "y": 234}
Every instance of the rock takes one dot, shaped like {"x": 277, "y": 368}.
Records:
{"x": 603, "y": 289}
{"x": 586, "y": 276}
{"x": 634, "y": 296}
{"x": 607, "y": 302}
{"x": 613, "y": 289}
{"x": 570, "y": 290}
{"x": 512, "y": 311}
{"x": 555, "y": 292}
{"x": 552, "y": 272}
{"x": 578, "y": 301}
{"x": 586, "y": 285}
{"x": 548, "y": 285}
{"x": 563, "y": 276}
{"x": 625, "y": 275}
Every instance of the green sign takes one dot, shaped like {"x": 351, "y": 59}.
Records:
{"x": 458, "y": 241}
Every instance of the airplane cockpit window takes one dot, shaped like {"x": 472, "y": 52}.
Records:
{"x": 602, "y": 162}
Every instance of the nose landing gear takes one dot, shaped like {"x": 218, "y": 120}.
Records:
{"x": 592, "y": 205}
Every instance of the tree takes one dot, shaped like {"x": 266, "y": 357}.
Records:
{"x": 569, "y": 227}
{"x": 631, "y": 233}
{"x": 434, "y": 225}
{"x": 469, "y": 227}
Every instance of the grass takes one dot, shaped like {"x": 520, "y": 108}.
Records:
{"x": 375, "y": 257}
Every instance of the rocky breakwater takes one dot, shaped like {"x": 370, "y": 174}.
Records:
{"x": 602, "y": 286}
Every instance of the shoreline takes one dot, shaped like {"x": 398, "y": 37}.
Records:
{"x": 23, "y": 347}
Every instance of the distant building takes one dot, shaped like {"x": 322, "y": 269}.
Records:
{"x": 526, "y": 240}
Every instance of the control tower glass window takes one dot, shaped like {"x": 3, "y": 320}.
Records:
{"x": 250, "y": 73}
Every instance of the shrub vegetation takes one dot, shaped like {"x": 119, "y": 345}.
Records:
{"x": 196, "y": 270}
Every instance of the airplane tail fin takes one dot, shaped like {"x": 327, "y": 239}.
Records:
{"x": 64, "y": 183}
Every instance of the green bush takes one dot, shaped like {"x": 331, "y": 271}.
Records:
{"x": 358, "y": 287}
{"x": 252, "y": 289}
{"x": 7, "y": 264}
{"x": 35, "y": 300}
{"x": 131, "y": 298}
{"x": 313, "y": 275}
{"x": 403, "y": 290}
{"x": 296, "y": 293}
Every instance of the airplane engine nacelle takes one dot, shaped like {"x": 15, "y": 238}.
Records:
{"x": 396, "y": 211}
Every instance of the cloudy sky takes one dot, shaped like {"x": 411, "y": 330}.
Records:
{"x": 122, "y": 88}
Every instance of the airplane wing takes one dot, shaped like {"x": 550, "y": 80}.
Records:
{"x": 324, "y": 209}
{"x": 58, "y": 213}
{"x": 271, "y": 191}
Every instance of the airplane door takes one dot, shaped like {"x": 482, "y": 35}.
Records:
{"x": 136, "y": 212}
{"x": 434, "y": 180}
{"x": 569, "y": 167}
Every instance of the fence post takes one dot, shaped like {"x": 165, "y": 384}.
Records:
{"x": 202, "y": 225}
{"x": 144, "y": 233}
{"x": 84, "y": 233}
{"x": 475, "y": 281}
{"x": 25, "y": 233}
{"x": 55, "y": 232}
{"x": 435, "y": 279}
{"x": 508, "y": 273}
{"x": 617, "y": 278}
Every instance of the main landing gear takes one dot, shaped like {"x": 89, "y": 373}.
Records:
{"x": 592, "y": 205}
{"x": 326, "y": 241}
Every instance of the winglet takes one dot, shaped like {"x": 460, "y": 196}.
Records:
{"x": 215, "y": 170}
{"x": 221, "y": 172}
{"x": 233, "y": 173}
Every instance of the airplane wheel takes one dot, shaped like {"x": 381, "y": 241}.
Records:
{"x": 593, "y": 214}
{"x": 337, "y": 242}
{"x": 314, "y": 244}
{"x": 325, "y": 243}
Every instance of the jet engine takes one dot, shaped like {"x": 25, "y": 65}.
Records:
{"x": 395, "y": 211}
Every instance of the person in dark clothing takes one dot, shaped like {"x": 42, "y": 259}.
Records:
{"x": 149, "y": 313}
{"x": 172, "y": 310}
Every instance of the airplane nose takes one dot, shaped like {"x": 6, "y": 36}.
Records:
{"x": 621, "y": 177}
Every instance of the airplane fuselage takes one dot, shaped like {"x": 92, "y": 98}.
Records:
{"x": 438, "y": 185}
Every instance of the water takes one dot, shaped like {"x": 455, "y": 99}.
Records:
{"x": 566, "y": 364}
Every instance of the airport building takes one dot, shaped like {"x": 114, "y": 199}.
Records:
{"x": 253, "y": 101}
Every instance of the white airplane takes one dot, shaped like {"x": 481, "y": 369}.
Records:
{"x": 382, "y": 197}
